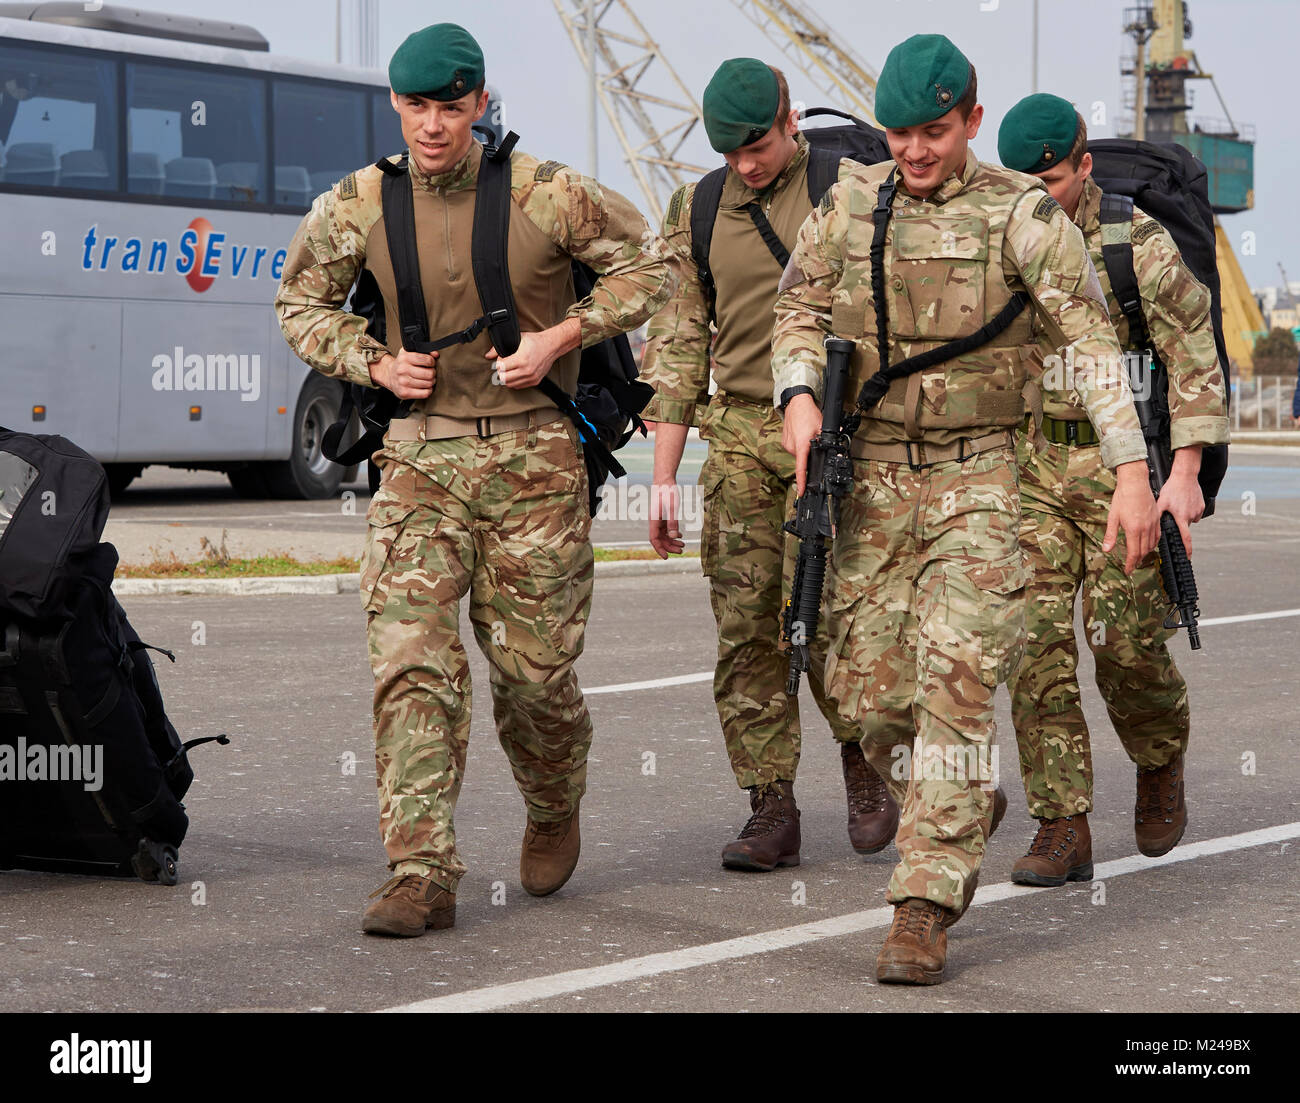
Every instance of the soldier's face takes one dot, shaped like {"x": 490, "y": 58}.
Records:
{"x": 761, "y": 162}
{"x": 438, "y": 133}
{"x": 1065, "y": 182}
{"x": 927, "y": 155}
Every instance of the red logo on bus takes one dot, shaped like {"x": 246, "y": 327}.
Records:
{"x": 195, "y": 277}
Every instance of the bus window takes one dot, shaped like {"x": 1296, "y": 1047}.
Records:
{"x": 320, "y": 137}
{"x": 387, "y": 140}
{"x": 195, "y": 134}
{"x": 58, "y": 120}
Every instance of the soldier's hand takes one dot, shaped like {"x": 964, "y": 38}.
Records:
{"x": 528, "y": 364}
{"x": 1133, "y": 509}
{"x": 803, "y": 421}
{"x": 665, "y": 527}
{"x": 1182, "y": 499}
{"x": 408, "y": 374}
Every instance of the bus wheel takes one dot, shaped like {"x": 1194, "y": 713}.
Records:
{"x": 120, "y": 476}
{"x": 307, "y": 473}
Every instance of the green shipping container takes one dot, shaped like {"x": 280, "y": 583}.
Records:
{"x": 1231, "y": 165}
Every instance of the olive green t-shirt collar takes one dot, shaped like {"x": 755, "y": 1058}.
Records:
{"x": 953, "y": 186}
{"x": 737, "y": 193}
{"x": 459, "y": 177}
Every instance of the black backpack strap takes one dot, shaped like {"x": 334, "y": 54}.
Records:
{"x": 1117, "y": 210}
{"x": 774, "y": 244}
{"x": 875, "y": 388}
{"x": 704, "y": 213}
{"x": 490, "y": 248}
{"x": 823, "y": 164}
{"x": 399, "y": 228}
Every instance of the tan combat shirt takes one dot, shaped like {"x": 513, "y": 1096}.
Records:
{"x": 557, "y": 214}
{"x": 745, "y": 275}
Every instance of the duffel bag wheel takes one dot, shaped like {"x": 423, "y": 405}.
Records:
{"x": 155, "y": 863}
{"x": 168, "y": 875}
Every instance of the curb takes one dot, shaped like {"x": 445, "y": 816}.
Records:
{"x": 349, "y": 583}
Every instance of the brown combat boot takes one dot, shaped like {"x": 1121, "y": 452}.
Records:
{"x": 771, "y": 837}
{"x": 408, "y": 906}
{"x": 999, "y": 810}
{"x": 549, "y": 855}
{"x": 1160, "y": 816}
{"x": 873, "y": 815}
{"x": 1060, "y": 852}
{"x": 917, "y": 945}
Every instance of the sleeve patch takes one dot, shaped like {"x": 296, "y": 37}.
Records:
{"x": 1047, "y": 206}
{"x": 546, "y": 171}
{"x": 675, "y": 207}
{"x": 1146, "y": 230}
{"x": 828, "y": 202}
{"x": 348, "y": 186}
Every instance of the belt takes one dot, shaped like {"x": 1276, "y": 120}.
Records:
{"x": 1069, "y": 432}
{"x": 441, "y": 427}
{"x": 917, "y": 454}
{"x": 726, "y": 398}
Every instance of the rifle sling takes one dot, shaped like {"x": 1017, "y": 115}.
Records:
{"x": 875, "y": 388}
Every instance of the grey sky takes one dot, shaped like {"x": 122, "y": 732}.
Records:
{"x": 1249, "y": 46}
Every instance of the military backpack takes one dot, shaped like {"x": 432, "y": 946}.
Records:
{"x": 828, "y": 145}
{"x": 1170, "y": 184}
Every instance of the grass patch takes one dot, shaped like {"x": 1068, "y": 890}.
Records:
{"x": 261, "y": 566}
{"x": 283, "y": 566}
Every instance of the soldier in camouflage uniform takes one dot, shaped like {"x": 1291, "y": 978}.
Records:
{"x": 747, "y": 479}
{"x": 484, "y": 488}
{"x": 927, "y": 581}
{"x": 1064, "y": 485}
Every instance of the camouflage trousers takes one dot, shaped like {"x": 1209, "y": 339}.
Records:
{"x": 1065, "y": 495}
{"x": 927, "y": 617}
{"x": 504, "y": 519}
{"x": 747, "y": 484}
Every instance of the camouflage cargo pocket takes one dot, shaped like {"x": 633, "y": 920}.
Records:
{"x": 937, "y": 276}
{"x": 384, "y": 525}
{"x": 539, "y": 594}
{"x": 711, "y": 475}
{"x": 1001, "y": 589}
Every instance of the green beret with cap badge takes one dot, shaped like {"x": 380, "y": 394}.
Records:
{"x": 1037, "y": 133}
{"x": 923, "y": 78}
{"x": 740, "y": 103}
{"x": 442, "y": 62}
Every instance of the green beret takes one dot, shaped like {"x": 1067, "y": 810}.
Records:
{"x": 923, "y": 78}
{"x": 442, "y": 62}
{"x": 740, "y": 103}
{"x": 1037, "y": 133}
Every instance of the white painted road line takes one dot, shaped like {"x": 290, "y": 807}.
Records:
{"x": 1250, "y": 616}
{"x": 654, "y": 683}
{"x": 707, "y": 675}
{"x": 601, "y": 976}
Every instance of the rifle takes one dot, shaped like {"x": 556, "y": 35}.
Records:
{"x": 1175, "y": 567}
{"x": 830, "y": 477}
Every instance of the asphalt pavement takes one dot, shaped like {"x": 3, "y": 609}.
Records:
{"x": 283, "y": 847}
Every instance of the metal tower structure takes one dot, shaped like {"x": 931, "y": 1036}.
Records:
{"x": 652, "y": 112}
{"x": 816, "y": 52}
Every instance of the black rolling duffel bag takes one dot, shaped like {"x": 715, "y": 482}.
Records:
{"x": 92, "y": 772}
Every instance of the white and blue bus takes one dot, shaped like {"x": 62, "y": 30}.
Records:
{"x": 153, "y": 170}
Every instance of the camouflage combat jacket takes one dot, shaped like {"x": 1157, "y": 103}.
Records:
{"x": 1176, "y": 306}
{"x": 952, "y": 261}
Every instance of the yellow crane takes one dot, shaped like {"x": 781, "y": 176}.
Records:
{"x": 1159, "y": 70}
